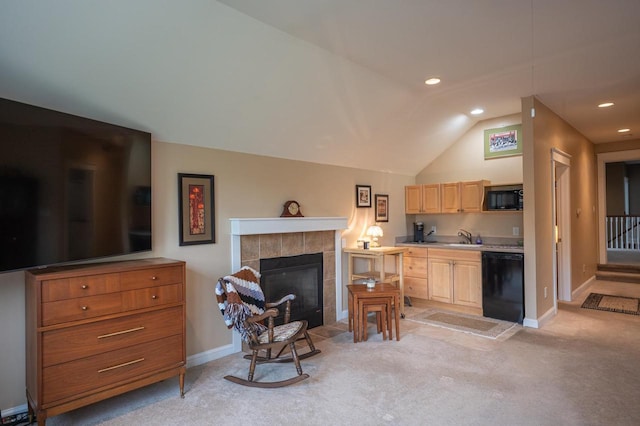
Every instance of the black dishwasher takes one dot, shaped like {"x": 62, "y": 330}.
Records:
{"x": 503, "y": 286}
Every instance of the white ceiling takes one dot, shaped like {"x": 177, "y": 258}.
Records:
{"x": 330, "y": 81}
{"x": 572, "y": 54}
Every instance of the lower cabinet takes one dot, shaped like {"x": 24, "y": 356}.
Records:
{"x": 455, "y": 276}
{"x": 99, "y": 330}
{"x": 415, "y": 273}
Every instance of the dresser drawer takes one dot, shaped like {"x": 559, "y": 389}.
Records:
{"x": 415, "y": 267}
{"x": 91, "y": 339}
{"x": 416, "y": 287}
{"x": 73, "y": 378}
{"x": 153, "y": 296}
{"x": 151, "y": 277}
{"x": 416, "y": 252}
{"x": 69, "y": 288}
{"x": 80, "y": 308}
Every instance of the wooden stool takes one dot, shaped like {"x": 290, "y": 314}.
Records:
{"x": 382, "y": 306}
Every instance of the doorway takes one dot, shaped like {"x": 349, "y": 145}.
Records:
{"x": 613, "y": 251}
{"x": 561, "y": 208}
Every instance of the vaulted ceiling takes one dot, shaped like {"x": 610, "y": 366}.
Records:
{"x": 330, "y": 81}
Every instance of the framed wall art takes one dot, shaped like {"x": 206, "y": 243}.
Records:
{"x": 197, "y": 217}
{"x": 363, "y": 195}
{"x": 382, "y": 208}
{"x": 503, "y": 142}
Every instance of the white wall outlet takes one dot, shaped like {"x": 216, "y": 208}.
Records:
{"x": 433, "y": 229}
{"x": 516, "y": 231}
{"x": 545, "y": 292}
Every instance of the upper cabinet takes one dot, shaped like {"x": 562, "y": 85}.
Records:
{"x": 422, "y": 199}
{"x": 462, "y": 197}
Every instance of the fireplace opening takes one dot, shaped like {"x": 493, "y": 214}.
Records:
{"x": 300, "y": 275}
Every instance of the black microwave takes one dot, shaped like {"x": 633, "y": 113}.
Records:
{"x": 504, "y": 200}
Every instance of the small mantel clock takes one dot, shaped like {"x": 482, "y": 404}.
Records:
{"x": 291, "y": 209}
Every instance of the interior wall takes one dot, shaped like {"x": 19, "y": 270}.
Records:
{"x": 245, "y": 186}
{"x": 634, "y": 184}
{"x": 550, "y": 131}
{"x": 633, "y": 173}
{"x": 464, "y": 161}
{"x": 616, "y": 146}
{"x": 615, "y": 174}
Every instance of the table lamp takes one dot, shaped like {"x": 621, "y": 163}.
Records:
{"x": 374, "y": 232}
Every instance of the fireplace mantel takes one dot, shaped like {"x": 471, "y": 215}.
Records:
{"x": 282, "y": 225}
{"x": 241, "y": 227}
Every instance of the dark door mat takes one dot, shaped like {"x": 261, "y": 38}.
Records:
{"x": 605, "y": 302}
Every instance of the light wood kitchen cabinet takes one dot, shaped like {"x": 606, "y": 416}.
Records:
{"x": 455, "y": 276}
{"x": 415, "y": 273}
{"x": 462, "y": 197}
{"x": 98, "y": 330}
{"x": 422, "y": 199}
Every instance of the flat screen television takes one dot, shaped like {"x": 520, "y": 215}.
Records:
{"x": 71, "y": 188}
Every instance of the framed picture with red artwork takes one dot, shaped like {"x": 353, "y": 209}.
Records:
{"x": 197, "y": 217}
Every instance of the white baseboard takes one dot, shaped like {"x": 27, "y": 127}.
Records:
{"x": 14, "y": 410}
{"x": 539, "y": 322}
{"x": 343, "y": 315}
{"x": 210, "y": 355}
{"x": 583, "y": 286}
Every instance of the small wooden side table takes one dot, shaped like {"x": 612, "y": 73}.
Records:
{"x": 376, "y": 255}
{"x": 358, "y": 292}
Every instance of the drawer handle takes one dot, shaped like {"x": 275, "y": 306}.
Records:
{"x": 84, "y": 286}
{"x": 154, "y": 278}
{"x": 154, "y": 297}
{"x": 135, "y": 361}
{"x": 117, "y": 333}
{"x": 84, "y": 308}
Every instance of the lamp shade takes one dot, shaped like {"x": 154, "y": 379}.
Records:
{"x": 374, "y": 231}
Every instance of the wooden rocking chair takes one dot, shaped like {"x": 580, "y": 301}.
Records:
{"x": 243, "y": 307}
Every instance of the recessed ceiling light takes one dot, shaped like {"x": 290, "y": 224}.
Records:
{"x": 623, "y": 130}
{"x": 605, "y": 105}
{"x": 477, "y": 111}
{"x": 432, "y": 81}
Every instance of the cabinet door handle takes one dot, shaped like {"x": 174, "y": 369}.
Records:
{"x": 85, "y": 308}
{"x": 135, "y": 361}
{"x": 84, "y": 286}
{"x": 154, "y": 278}
{"x": 117, "y": 333}
{"x": 154, "y": 297}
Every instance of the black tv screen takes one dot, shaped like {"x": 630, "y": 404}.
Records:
{"x": 71, "y": 188}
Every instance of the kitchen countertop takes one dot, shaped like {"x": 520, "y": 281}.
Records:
{"x": 508, "y": 248}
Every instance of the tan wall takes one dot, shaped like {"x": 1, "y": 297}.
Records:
{"x": 549, "y": 131}
{"x": 615, "y": 174}
{"x": 626, "y": 145}
{"x": 464, "y": 161}
{"x": 245, "y": 186}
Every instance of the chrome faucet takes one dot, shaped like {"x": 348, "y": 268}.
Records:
{"x": 467, "y": 236}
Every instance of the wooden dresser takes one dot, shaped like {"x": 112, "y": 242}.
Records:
{"x": 98, "y": 330}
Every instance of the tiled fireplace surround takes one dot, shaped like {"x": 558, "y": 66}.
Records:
{"x": 255, "y": 239}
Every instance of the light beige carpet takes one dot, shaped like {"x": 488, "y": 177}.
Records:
{"x": 433, "y": 376}
{"x": 472, "y": 324}
{"x": 605, "y": 302}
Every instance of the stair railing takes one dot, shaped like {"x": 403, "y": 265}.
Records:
{"x": 623, "y": 232}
